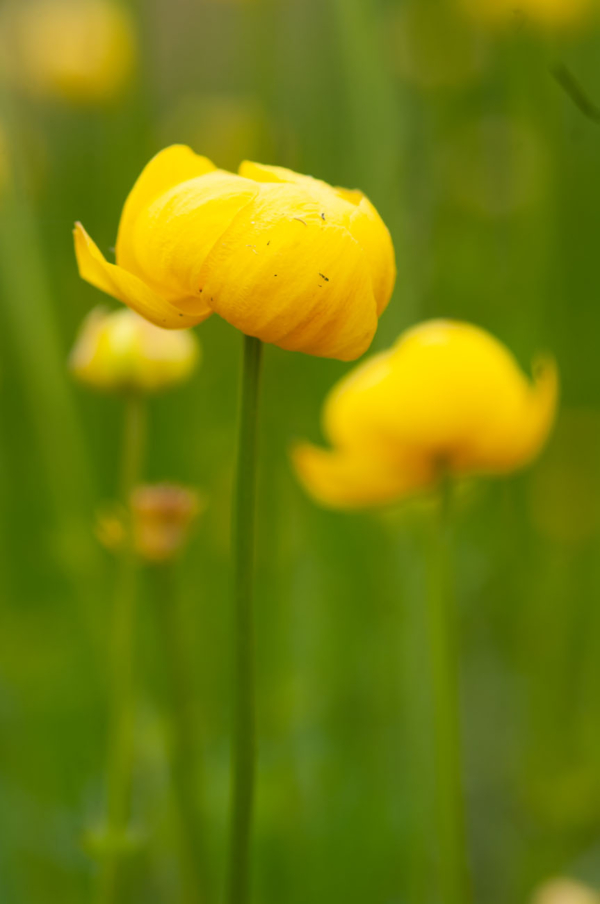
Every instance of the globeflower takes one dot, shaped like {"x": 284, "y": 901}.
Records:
{"x": 283, "y": 257}
{"x": 446, "y": 400}
{"x": 121, "y": 352}
{"x": 81, "y": 51}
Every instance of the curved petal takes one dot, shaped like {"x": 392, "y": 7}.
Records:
{"x": 168, "y": 168}
{"x": 171, "y": 237}
{"x": 125, "y": 286}
{"x": 351, "y": 208}
{"x": 340, "y": 480}
{"x": 373, "y": 236}
{"x": 357, "y": 413}
{"x": 283, "y": 274}
{"x": 262, "y": 172}
{"x": 514, "y": 437}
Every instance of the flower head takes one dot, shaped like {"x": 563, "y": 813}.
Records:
{"x": 448, "y": 398}
{"x": 79, "y": 50}
{"x": 280, "y": 256}
{"x": 121, "y": 352}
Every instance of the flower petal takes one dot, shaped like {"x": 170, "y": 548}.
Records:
{"x": 515, "y": 436}
{"x": 284, "y": 274}
{"x": 171, "y": 237}
{"x": 125, "y": 286}
{"x": 346, "y": 481}
{"x": 373, "y": 236}
{"x": 261, "y": 172}
{"x": 168, "y": 168}
{"x": 348, "y": 207}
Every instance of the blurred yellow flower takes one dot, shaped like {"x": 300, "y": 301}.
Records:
{"x": 82, "y": 51}
{"x": 282, "y": 257}
{"x": 121, "y": 352}
{"x": 448, "y": 398}
{"x": 550, "y": 14}
{"x": 565, "y": 891}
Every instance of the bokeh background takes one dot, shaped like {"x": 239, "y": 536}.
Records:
{"x": 479, "y": 142}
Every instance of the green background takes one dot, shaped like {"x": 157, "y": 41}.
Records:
{"x": 487, "y": 173}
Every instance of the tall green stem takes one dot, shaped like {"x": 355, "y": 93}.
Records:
{"x": 122, "y": 690}
{"x": 243, "y": 757}
{"x": 184, "y": 756}
{"x": 450, "y": 812}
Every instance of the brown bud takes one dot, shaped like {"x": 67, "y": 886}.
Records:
{"x": 162, "y": 515}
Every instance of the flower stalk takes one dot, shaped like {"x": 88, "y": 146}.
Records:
{"x": 450, "y": 828}
{"x": 244, "y": 516}
{"x": 122, "y": 689}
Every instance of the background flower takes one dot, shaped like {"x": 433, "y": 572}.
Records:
{"x": 81, "y": 51}
{"x": 447, "y": 399}
{"x": 121, "y": 352}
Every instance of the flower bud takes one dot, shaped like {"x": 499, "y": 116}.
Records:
{"x": 122, "y": 352}
{"x": 82, "y": 51}
{"x": 162, "y": 516}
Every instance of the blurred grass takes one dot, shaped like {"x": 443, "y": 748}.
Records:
{"x": 490, "y": 187}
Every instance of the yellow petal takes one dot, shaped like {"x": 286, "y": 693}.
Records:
{"x": 459, "y": 395}
{"x": 347, "y": 207}
{"x": 516, "y": 435}
{"x": 345, "y": 481}
{"x": 284, "y": 274}
{"x": 168, "y": 168}
{"x": 315, "y": 188}
{"x": 126, "y": 287}
{"x": 261, "y": 172}
{"x": 372, "y": 234}
{"x": 356, "y": 414}
{"x": 172, "y": 236}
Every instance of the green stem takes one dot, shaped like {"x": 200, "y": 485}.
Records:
{"x": 122, "y": 691}
{"x": 243, "y": 757}
{"x": 450, "y": 827}
{"x": 183, "y": 750}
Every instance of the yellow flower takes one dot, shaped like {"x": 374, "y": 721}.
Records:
{"x": 280, "y": 256}
{"x": 448, "y": 398}
{"x": 550, "y": 14}
{"x": 565, "y": 891}
{"x": 121, "y": 352}
{"x": 78, "y": 50}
